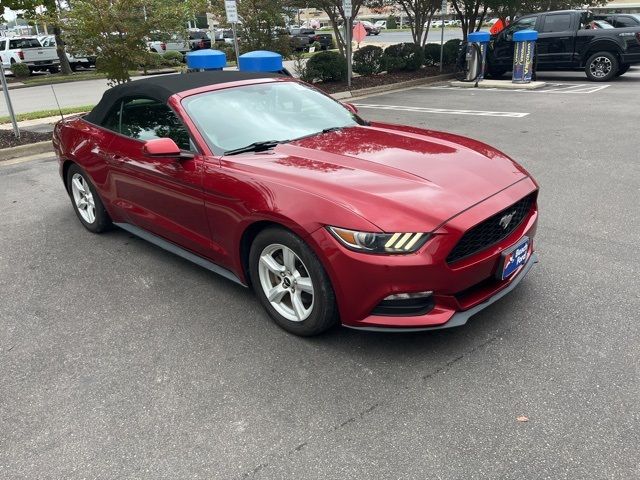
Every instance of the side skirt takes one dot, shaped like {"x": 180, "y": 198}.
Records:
{"x": 181, "y": 252}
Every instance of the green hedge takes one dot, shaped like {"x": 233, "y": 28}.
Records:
{"x": 432, "y": 54}
{"x": 450, "y": 51}
{"x": 368, "y": 60}
{"x": 172, "y": 58}
{"x": 20, "y": 70}
{"x": 325, "y": 66}
{"x": 402, "y": 56}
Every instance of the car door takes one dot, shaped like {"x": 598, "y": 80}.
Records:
{"x": 161, "y": 195}
{"x": 556, "y": 38}
{"x": 501, "y": 52}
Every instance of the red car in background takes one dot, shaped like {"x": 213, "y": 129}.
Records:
{"x": 328, "y": 217}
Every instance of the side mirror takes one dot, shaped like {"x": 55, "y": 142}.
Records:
{"x": 351, "y": 107}
{"x": 162, "y": 147}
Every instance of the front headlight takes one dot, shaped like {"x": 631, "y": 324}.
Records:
{"x": 380, "y": 242}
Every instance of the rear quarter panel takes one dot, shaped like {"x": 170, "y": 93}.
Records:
{"x": 83, "y": 143}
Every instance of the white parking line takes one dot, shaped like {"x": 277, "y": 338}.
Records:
{"x": 444, "y": 111}
{"x": 578, "y": 88}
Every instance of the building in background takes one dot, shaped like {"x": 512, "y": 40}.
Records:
{"x": 619, "y": 6}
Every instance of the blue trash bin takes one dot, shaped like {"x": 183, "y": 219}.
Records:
{"x": 261, "y": 61}
{"x": 206, "y": 60}
{"x": 523, "y": 54}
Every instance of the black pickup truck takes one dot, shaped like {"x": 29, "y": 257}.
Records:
{"x": 566, "y": 41}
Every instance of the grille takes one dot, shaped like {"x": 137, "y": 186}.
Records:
{"x": 491, "y": 231}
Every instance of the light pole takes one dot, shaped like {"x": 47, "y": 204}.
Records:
{"x": 7, "y": 99}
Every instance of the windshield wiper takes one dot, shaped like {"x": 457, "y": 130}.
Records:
{"x": 256, "y": 147}
{"x": 332, "y": 129}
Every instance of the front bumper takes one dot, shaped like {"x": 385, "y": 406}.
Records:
{"x": 461, "y": 318}
{"x": 460, "y": 289}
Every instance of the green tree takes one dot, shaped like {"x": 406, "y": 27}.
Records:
{"x": 116, "y": 31}
{"x": 52, "y": 16}
{"x": 420, "y": 14}
{"x": 333, "y": 9}
{"x": 262, "y": 24}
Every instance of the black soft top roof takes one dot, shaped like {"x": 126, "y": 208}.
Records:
{"x": 162, "y": 87}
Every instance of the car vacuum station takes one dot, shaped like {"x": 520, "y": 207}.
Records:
{"x": 475, "y": 56}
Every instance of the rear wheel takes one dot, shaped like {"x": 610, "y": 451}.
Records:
{"x": 601, "y": 67}
{"x": 624, "y": 68}
{"x": 86, "y": 202}
{"x": 291, "y": 283}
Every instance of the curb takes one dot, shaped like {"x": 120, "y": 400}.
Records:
{"x": 25, "y": 150}
{"x": 390, "y": 87}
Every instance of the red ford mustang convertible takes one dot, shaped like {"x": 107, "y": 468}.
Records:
{"x": 328, "y": 217}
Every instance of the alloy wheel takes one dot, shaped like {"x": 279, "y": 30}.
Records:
{"x": 285, "y": 282}
{"x": 83, "y": 198}
{"x": 600, "y": 67}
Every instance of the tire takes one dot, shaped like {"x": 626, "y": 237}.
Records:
{"x": 74, "y": 66}
{"x": 624, "y": 68}
{"x": 99, "y": 221}
{"x": 601, "y": 67}
{"x": 54, "y": 69}
{"x": 317, "y": 311}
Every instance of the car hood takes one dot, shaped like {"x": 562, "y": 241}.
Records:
{"x": 398, "y": 178}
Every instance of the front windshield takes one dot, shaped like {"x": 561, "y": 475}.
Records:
{"x": 277, "y": 111}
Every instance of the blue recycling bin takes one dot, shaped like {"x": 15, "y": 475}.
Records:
{"x": 261, "y": 61}
{"x": 523, "y": 53}
{"x": 482, "y": 40}
{"x": 206, "y": 59}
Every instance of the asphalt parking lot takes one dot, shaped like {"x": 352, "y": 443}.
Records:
{"x": 118, "y": 360}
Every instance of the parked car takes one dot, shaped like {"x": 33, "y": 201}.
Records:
{"x": 199, "y": 40}
{"x": 172, "y": 43}
{"x": 620, "y": 20}
{"x": 368, "y": 26}
{"x": 303, "y": 38}
{"x": 277, "y": 186}
{"x": 84, "y": 61}
{"x": 381, "y": 24}
{"x": 224, "y": 35}
{"x": 29, "y": 51}
{"x": 566, "y": 42}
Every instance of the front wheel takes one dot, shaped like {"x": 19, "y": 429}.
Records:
{"x": 291, "y": 283}
{"x": 601, "y": 67}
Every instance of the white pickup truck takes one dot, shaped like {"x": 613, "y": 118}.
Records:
{"x": 75, "y": 61}
{"x": 28, "y": 50}
{"x": 175, "y": 43}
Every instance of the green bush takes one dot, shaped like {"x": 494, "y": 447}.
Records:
{"x": 402, "y": 56}
{"x": 392, "y": 59}
{"x": 325, "y": 66}
{"x": 431, "y": 54}
{"x": 152, "y": 61}
{"x": 450, "y": 51}
{"x": 20, "y": 70}
{"x": 414, "y": 56}
{"x": 172, "y": 58}
{"x": 367, "y": 60}
{"x": 391, "y": 22}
